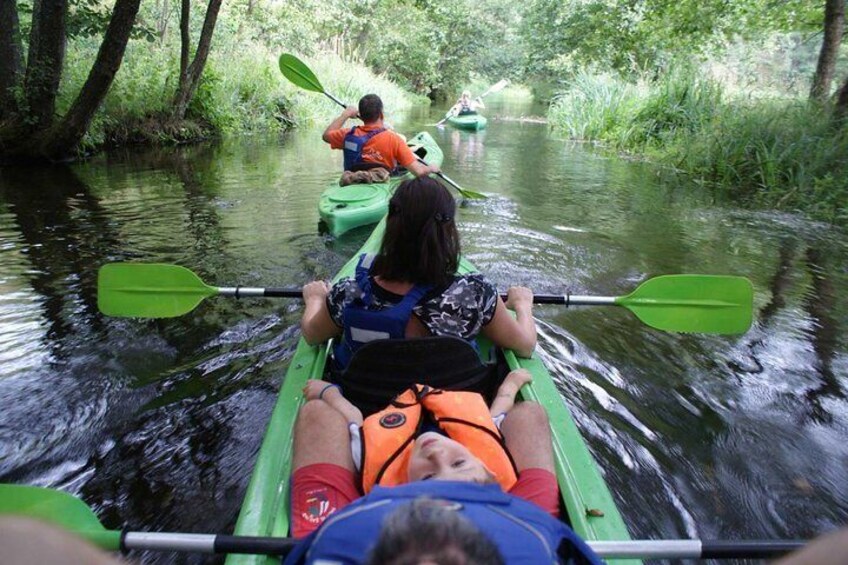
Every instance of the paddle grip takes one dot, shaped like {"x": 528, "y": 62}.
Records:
{"x": 546, "y": 298}
{"x": 254, "y": 545}
{"x": 748, "y": 549}
{"x": 278, "y": 292}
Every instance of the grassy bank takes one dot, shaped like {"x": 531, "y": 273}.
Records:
{"x": 241, "y": 91}
{"x": 763, "y": 151}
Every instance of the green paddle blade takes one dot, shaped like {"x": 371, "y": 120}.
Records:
{"x": 693, "y": 303}
{"x": 471, "y": 194}
{"x": 298, "y": 73}
{"x": 149, "y": 290}
{"x": 58, "y": 508}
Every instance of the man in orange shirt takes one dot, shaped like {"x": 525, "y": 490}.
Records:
{"x": 371, "y": 152}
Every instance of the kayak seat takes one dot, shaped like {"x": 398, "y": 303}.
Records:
{"x": 382, "y": 369}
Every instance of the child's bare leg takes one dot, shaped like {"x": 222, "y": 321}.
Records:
{"x": 527, "y": 433}
{"x": 321, "y": 435}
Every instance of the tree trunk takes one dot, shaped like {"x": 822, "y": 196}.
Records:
{"x": 842, "y": 102}
{"x": 834, "y": 25}
{"x": 11, "y": 60}
{"x": 64, "y": 138}
{"x": 195, "y": 69}
{"x": 46, "y": 56}
{"x": 185, "y": 40}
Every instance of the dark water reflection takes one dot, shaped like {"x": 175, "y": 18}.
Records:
{"x": 156, "y": 423}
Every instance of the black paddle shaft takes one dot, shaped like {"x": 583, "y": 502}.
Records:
{"x": 748, "y": 549}
{"x": 546, "y": 298}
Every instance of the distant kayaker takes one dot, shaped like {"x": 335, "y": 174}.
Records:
{"x": 411, "y": 289}
{"x": 372, "y": 153}
{"x": 484, "y": 470}
{"x": 465, "y": 105}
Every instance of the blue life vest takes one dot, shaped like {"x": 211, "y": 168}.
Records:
{"x": 353, "y": 145}
{"x": 363, "y": 324}
{"x": 522, "y": 532}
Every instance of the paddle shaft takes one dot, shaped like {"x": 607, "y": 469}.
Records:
{"x": 637, "y": 549}
{"x": 571, "y": 300}
{"x": 278, "y": 292}
{"x": 334, "y": 99}
{"x": 251, "y": 292}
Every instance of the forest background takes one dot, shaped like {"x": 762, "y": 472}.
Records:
{"x": 748, "y": 96}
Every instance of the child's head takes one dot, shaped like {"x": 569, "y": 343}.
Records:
{"x": 438, "y": 457}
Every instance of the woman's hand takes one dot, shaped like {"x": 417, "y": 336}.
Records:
{"x": 316, "y": 290}
{"x": 519, "y": 297}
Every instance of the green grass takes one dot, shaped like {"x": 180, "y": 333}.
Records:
{"x": 766, "y": 152}
{"x": 241, "y": 91}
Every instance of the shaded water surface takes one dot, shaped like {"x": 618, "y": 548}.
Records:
{"x": 156, "y": 423}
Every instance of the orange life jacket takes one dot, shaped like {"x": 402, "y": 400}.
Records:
{"x": 388, "y": 435}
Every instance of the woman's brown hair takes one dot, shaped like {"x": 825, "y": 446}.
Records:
{"x": 421, "y": 244}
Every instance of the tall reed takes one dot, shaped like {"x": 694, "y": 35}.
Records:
{"x": 772, "y": 152}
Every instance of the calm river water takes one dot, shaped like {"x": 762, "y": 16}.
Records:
{"x": 156, "y": 424}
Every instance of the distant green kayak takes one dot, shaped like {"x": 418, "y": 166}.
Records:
{"x": 473, "y": 122}
{"x": 587, "y": 503}
{"x": 343, "y": 208}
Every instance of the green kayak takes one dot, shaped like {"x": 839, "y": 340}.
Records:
{"x": 473, "y": 122}
{"x": 590, "y": 508}
{"x": 343, "y": 208}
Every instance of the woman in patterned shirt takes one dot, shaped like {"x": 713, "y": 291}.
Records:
{"x": 419, "y": 256}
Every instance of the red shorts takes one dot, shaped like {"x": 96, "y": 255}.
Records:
{"x": 321, "y": 489}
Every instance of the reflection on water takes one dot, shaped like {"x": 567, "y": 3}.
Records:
{"x": 156, "y": 423}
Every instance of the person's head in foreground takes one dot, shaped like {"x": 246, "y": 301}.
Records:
{"x": 421, "y": 243}
{"x": 428, "y": 531}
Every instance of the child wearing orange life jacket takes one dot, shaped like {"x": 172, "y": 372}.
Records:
{"x": 429, "y": 434}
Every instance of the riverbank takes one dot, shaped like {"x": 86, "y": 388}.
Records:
{"x": 241, "y": 92}
{"x": 772, "y": 152}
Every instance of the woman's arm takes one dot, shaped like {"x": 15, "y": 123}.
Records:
{"x": 505, "y": 398}
{"x": 332, "y": 395}
{"x": 519, "y": 333}
{"x": 316, "y": 325}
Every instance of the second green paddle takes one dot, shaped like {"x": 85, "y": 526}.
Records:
{"x": 716, "y": 304}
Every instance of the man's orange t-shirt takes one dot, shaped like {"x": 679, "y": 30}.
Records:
{"x": 386, "y": 148}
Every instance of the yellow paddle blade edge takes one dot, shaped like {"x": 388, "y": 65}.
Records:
{"x": 149, "y": 290}
{"x": 713, "y": 304}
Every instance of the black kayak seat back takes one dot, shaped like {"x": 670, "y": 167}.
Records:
{"x": 382, "y": 369}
